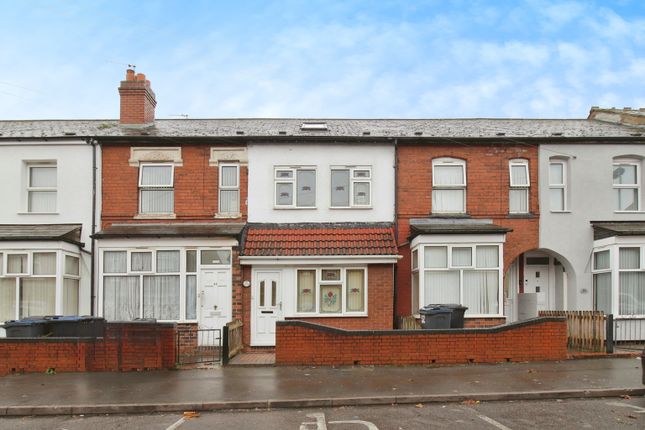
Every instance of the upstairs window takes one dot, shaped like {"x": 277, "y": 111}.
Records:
{"x": 627, "y": 185}
{"x": 351, "y": 187}
{"x": 448, "y": 185}
{"x": 41, "y": 188}
{"x": 518, "y": 195}
{"x": 295, "y": 187}
{"x": 558, "y": 185}
{"x": 156, "y": 192}
{"x": 229, "y": 189}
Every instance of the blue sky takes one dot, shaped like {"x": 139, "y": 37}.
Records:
{"x": 362, "y": 59}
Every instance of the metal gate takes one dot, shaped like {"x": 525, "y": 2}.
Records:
{"x": 199, "y": 345}
{"x": 629, "y": 333}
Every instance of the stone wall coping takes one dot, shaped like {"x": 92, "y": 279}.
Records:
{"x": 474, "y": 330}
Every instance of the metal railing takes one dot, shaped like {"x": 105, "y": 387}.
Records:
{"x": 629, "y": 333}
{"x": 199, "y": 345}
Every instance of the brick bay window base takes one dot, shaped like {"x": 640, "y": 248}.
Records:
{"x": 335, "y": 275}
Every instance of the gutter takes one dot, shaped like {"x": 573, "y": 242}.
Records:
{"x": 94, "y": 143}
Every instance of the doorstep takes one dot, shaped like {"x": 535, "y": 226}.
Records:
{"x": 253, "y": 359}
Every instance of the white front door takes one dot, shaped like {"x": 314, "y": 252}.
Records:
{"x": 266, "y": 299}
{"x": 215, "y": 308}
{"x": 537, "y": 281}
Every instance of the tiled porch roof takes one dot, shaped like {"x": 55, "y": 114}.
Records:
{"x": 301, "y": 240}
{"x": 70, "y": 233}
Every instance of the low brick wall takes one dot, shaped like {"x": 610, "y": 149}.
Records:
{"x": 304, "y": 343}
{"x": 125, "y": 347}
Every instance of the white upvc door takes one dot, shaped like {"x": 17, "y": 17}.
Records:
{"x": 215, "y": 302}
{"x": 537, "y": 281}
{"x": 266, "y": 302}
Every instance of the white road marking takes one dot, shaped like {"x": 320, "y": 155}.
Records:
{"x": 489, "y": 420}
{"x": 177, "y": 424}
{"x": 639, "y": 410}
{"x": 369, "y": 425}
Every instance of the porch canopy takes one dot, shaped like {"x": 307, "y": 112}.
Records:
{"x": 339, "y": 240}
{"x": 168, "y": 230}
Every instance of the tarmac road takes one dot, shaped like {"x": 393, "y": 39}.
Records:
{"x": 604, "y": 413}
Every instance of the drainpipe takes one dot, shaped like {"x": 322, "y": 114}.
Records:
{"x": 396, "y": 226}
{"x": 94, "y": 143}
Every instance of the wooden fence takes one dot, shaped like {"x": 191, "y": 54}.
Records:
{"x": 408, "y": 323}
{"x": 232, "y": 339}
{"x": 586, "y": 329}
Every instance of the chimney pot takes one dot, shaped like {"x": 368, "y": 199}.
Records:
{"x": 129, "y": 75}
{"x": 141, "y": 77}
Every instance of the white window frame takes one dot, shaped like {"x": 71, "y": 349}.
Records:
{"x": 352, "y": 181}
{"x": 421, "y": 269}
{"x": 617, "y": 161}
{"x": 562, "y": 186}
{"x": 519, "y": 162}
{"x": 65, "y": 275}
{"x": 294, "y": 189}
{"x": 182, "y": 274}
{"x": 222, "y": 187}
{"x": 342, "y": 282}
{"x": 59, "y": 275}
{"x": 170, "y": 187}
{"x": 448, "y": 161}
{"x": 29, "y": 189}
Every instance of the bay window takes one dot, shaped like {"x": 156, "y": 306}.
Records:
{"x": 295, "y": 187}
{"x": 156, "y": 189}
{"x": 518, "y": 197}
{"x": 154, "y": 283}
{"x": 30, "y": 282}
{"x": 448, "y": 185}
{"x": 619, "y": 280}
{"x": 467, "y": 274}
{"x": 331, "y": 291}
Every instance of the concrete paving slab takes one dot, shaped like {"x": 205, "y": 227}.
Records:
{"x": 273, "y": 387}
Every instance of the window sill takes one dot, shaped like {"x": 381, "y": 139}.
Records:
{"x": 38, "y": 213}
{"x": 228, "y": 216}
{"x": 335, "y": 208}
{"x": 629, "y": 212}
{"x": 560, "y": 212}
{"x": 449, "y": 215}
{"x": 282, "y": 208}
{"x": 527, "y": 215}
{"x": 155, "y": 216}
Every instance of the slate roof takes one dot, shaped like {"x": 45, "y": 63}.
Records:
{"x": 350, "y": 128}
{"x": 135, "y": 230}
{"x": 70, "y": 233}
{"x": 307, "y": 240}
{"x": 604, "y": 229}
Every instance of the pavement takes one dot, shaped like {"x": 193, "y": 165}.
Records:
{"x": 300, "y": 387}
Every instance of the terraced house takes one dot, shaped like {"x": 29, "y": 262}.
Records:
{"x": 350, "y": 223}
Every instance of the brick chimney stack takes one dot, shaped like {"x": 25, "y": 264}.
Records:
{"x": 137, "y": 100}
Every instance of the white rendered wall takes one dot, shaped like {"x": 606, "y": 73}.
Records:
{"x": 590, "y": 198}
{"x": 74, "y": 192}
{"x": 263, "y": 157}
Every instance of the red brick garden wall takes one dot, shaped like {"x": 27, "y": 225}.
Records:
{"x": 303, "y": 343}
{"x": 125, "y": 347}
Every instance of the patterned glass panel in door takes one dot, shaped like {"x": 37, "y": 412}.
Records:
{"x": 274, "y": 291}
{"x": 261, "y": 293}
